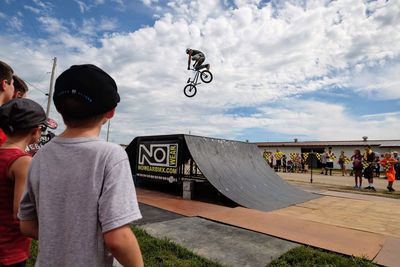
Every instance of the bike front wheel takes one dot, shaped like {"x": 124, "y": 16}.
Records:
{"x": 206, "y": 76}
{"x": 190, "y": 90}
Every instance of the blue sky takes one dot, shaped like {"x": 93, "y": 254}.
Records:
{"x": 312, "y": 70}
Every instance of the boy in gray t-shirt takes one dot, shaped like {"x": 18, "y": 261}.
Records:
{"x": 80, "y": 194}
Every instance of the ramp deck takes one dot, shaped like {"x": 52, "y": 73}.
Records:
{"x": 238, "y": 171}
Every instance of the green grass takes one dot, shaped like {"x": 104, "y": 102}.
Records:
{"x": 156, "y": 252}
{"x": 34, "y": 250}
{"x": 161, "y": 252}
{"x": 307, "y": 257}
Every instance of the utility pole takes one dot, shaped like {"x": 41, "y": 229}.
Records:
{"x": 108, "y": 129}
{"x": 50, "y": 95}
{"x": 312, "y": 154}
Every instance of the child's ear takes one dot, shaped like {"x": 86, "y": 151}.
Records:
{"x": 35, "y": 135}
{"x": 3, "y": 85}
{"x": 110, "y": 114}
{"x": 19, "y": 94}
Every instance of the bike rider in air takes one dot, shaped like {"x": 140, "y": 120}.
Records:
{"x": 198, "y": 57}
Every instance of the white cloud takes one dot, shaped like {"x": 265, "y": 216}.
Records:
{"x": 40, "y": 8}
{"x": 380, "y": 81}
{"x": 262, "y": 56}
{"x": 45, "y": 6}
{"x": 51, "y": 24}
{"x": 382, "y": 115}
{"x": 119, "y": 2}
{"x": 108, "y": 24}
{"x": 32, "y": 9}
{"x": 149, "y": 2}
{"x": 15, "y": 23}
{"x": 85, "y": 6}
{"x": 326, "y": 121}
{"x": 88, "y": 27}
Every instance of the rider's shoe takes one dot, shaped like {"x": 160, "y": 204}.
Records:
{"x": 188, "y": 81}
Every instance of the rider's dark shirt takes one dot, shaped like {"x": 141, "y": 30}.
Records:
{"x": 195, "y": 52}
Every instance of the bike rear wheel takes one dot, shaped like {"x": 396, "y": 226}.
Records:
{"x": 206, "y": 76}
{"x": 190, "y": 90}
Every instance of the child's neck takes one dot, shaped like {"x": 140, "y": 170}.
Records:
{"x": 19, "y": 143}
{"x": 81, "y": 132}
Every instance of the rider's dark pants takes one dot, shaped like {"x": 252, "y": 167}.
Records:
{"x": 197, "y": 65}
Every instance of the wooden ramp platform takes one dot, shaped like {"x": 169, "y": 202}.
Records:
{"x": 312, "y": 223}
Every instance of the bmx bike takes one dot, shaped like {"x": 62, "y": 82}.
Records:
{"x": 205, "y": 76}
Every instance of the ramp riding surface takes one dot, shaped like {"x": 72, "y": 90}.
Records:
{"x": 238, "y": 171}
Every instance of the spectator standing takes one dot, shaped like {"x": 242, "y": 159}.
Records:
{"x": 368, "y": 164}
{"x": 304, "y": 165}
{"x": 80, "y": 190}
{"x": 20, "y": 90}
{"x": 7, "y": 83}
{"x": 284, "y": 162}
{"x": 278, "y": 160}
{"x": 329, "y": 161}
{"x": 388, "y": 164}
{"x": 342, "y": 163}
{"x": 397, "y": 165}
{"x": 323, "y": 162}
{"x": 357, "y": 168}
{"x": 298, "y": 162}
{"x": 6, "y": 90}
{"x": 377, "y": 165}
{"x": 20, "y": 87}
{"x": 271, "y": 160}
{"x": 21, "y": 120}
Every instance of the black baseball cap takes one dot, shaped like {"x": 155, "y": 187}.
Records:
{"x": 90, "y": 84}
{"x": 21, "y": 113}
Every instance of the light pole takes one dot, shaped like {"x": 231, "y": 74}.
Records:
{"x": 108, "y": 129}
{"x": 312, "y": 163}
{"x": 50, "y": 96}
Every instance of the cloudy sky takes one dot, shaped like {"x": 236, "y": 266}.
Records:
{"x": 312, "y": 70}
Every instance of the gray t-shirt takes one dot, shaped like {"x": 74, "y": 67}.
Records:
{"x": 78, "y": 188}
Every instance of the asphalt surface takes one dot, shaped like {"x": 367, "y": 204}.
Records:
{"x": 231, "y": 245}
{"x": 219, "y": 242}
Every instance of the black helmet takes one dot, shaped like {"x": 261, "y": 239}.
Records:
{"x": 187, "y": 50}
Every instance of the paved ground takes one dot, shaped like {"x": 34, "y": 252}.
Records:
{"x": 225, "y": 244}
{"x": 364, "y": 211}
{"x": 153, "y": 215}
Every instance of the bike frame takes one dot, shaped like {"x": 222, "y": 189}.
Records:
{"x": 196, "y": 78}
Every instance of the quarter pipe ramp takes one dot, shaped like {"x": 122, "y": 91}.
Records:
{"x": 236, "y": 169}
{"x": 239, "y": 172}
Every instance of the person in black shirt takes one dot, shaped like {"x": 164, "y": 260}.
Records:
{"x": 369, "y": 165}
{"x": 198, "y": 58}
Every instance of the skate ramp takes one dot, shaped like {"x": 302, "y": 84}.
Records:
{"x": 238, "y": 171}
